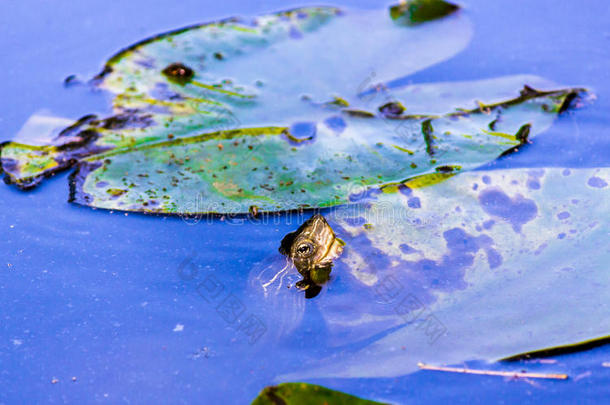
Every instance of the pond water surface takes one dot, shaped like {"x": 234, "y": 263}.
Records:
{"x": 111, "y": 299}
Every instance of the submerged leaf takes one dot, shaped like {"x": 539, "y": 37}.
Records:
{"x": 481, "y": 266}
{"x": 301, "y": 394}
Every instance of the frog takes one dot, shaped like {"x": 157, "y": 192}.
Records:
{"x": 312, "y": 248}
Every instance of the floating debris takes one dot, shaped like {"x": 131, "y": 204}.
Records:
{"x": 509, "y": 374}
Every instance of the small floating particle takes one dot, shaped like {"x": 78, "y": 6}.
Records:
{"x": 73, "y": 379}
{"x": 606, "y": 364}
{"x": 70, "y": 80}
{"x": 54, "y": 380}
{"x": 220, "y": 146}
{"x": 178, "y": 328}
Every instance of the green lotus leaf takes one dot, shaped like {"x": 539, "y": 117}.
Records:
{"x": 314, "y": 164}
{"x": 301, "y": 393}
{"x": 413, "y": 12}
{"x": 272, "y": 70}
{"x": 485, "y": 265}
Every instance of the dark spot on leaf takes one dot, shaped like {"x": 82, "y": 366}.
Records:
{"x": 427, "y": 130}
{"x": 405, "y": 190}
{"x": 392, "y": 109}
{"x": 178, "y": 73}
{"x": 448, "y": 168}
{"x": 359, "y": 113}
{"x": 597, "y": 182}
{"x": 488, "y": 224}
{"x": 404, "y": 248}
{"x": 300, "y": 132}
{"x": 533, "y": 184}
{"x": 414, "y": 202}
{"x": 516, "y": 211}
{"x": 115, "y": 192}
{"x": 336, "y": 123}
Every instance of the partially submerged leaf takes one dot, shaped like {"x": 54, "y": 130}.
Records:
{"x": 302, "y": 394}
{"x": 241, "y": 73}
{"x": 560, "y": 350}
{"x": 481, "y": 266}
{"x": 309, "y": 164}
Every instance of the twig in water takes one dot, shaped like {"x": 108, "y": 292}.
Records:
{"x": 496, "y": 373}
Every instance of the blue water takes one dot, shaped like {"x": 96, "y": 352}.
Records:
{"x": 98, "y": 295}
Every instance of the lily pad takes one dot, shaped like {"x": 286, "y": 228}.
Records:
{"x": 255, "y": 115}
{"x": 482, "y": 266}
{"x": 308, "y": 165}
{"x": 301, "y": 393}
{"x": 239, "y": 73}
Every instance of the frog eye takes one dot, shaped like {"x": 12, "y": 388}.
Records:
{"x": 304, "y": 249}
